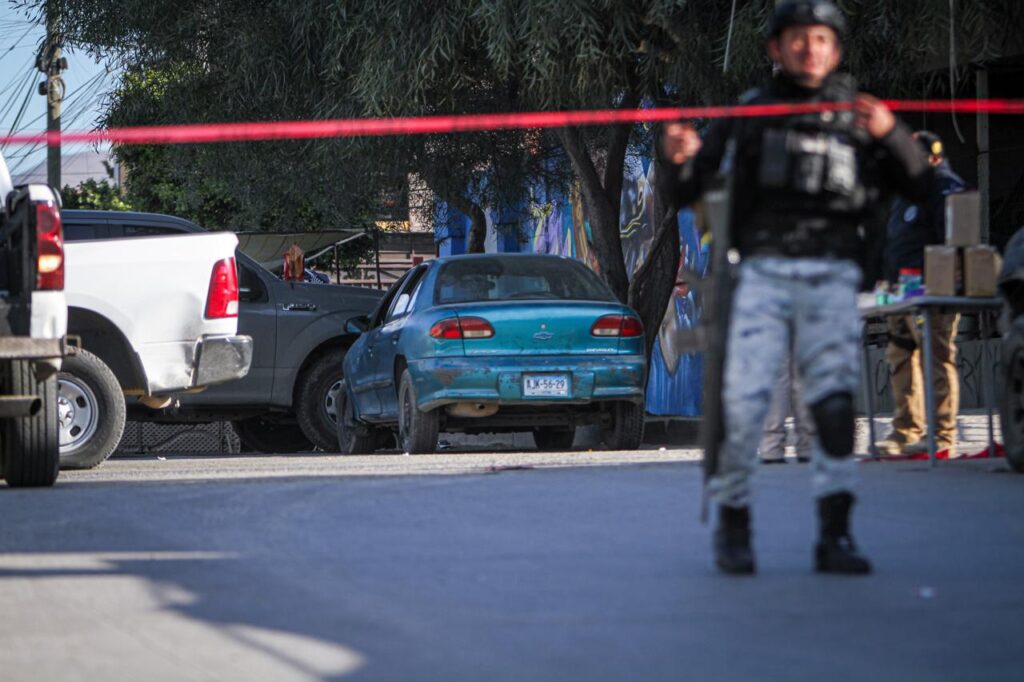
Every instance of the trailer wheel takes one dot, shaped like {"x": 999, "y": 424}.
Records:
{"x": 29, "y": 457}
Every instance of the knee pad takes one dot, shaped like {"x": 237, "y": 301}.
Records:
{"x": 834, "y": 418}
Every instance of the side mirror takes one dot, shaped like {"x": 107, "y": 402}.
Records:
{"x": 357, "y": 325}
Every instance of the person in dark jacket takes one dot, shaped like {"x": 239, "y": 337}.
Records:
{"x": 911, "y": 228}
{"x": 803, "y": 186}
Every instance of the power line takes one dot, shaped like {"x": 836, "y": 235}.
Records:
{"x": 87, "y": 92}
{"x": 16, "y": 80}
{"x": 18, "y": 43}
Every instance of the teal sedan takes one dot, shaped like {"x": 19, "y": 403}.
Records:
{"x": 494, "y": 343}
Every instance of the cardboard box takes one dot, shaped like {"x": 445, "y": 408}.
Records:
{"x": 981, "y": 268}
{"x": 963, "y": 219}
{"x": 941, "y": 270}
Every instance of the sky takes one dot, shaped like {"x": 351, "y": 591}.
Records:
{"x": 86, "y": 84}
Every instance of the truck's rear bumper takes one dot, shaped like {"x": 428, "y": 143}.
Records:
{"x": 222, "y": 358}
{"x": 27, "y": 348}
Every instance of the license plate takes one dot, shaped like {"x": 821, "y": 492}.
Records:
{"x": 546, "y": 385}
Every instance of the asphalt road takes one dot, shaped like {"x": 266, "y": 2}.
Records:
{"x": 475, "y": 567}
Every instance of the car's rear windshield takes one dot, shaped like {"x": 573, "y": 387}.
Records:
{"x": 518, "y": 278}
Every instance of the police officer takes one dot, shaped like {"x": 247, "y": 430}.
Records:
{"x": 911, "y": 228}
{"x": 803, "y": 186}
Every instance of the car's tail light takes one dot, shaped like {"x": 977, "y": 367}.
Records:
{"x": 462, "y": 328}
{"x": 222, "y": 299}
{"x": 618, "y": 325}
{"x": 476, "y": 328}
{"x": 49, "y": 247}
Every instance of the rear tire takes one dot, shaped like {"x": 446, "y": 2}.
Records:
{"x": 90, "y": 410}
{"x": 354, "y": 438}
{"x": 553, "y": 439}
{"x": 417, "y": 430}
{"x": 30, "y": 455}
{"x": 316, "y": 400}
{"x": 626, "y": 430}
{"x": 271, "y": 437}
{"x": 1011, "y": 404}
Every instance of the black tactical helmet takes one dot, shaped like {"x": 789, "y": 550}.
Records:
{"x": 807, "y": 13}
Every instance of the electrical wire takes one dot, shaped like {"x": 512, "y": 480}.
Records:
{"x": 952, "y": 67}
{"x": 89, "y": 92}
{"x": 728, "y": 38}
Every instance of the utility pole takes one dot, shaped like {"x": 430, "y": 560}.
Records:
{"x": 984, "y": 157}
{"x": 51, "y": 64}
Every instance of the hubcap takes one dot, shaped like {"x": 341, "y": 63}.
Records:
{"x": 331, "y": 401}
{"x": 77, "y": 413}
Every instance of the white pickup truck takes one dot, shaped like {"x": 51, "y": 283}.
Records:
{"x": 155, "y": 317}
{"x": 150, "y": 318}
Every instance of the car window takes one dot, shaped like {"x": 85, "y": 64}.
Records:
{"x": 78, "y": 231}
{"x": 385, "y": 303}
{"x": 250, "y": 288}
{"x": 508, "y": 278}
{"x": 403, "y": 302}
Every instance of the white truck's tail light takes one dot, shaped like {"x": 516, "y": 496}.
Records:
{"x": 49, "y": 248}
{"x": 462, "y": 328}
{"x": 617, "y": 325}
{"x": 222, "y": 298}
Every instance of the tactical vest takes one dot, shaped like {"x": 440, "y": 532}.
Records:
{"x": 809, "y": 177}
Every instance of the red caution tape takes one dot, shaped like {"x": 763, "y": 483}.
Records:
{"x": 422, "y": 125}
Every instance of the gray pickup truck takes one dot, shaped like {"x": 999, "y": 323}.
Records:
{"x": 33, "y": 325}
{"x": 286, "y": 401}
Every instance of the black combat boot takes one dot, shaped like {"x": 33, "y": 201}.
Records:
{"x": 732, "y": 541}
{"x": 836, "y": 551}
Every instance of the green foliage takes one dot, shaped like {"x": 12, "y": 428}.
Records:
{"x": 234, "y": 60}
{"x": 91, "y": 194}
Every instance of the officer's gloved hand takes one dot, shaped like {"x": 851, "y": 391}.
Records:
{"x": 873, "y": 116}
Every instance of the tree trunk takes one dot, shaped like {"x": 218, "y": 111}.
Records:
{"x": 601, "y": 210}
{"x": 651, "y": 287}
{"x": 602, "y": 193}
{"x": 477, "y": 230}
{"x": 478, "y": 221}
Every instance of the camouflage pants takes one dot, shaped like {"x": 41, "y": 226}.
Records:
{"x": 809, "y": 305}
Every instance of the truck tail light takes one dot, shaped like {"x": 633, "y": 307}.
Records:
{"x": 462, "y": 328}
{"x": 618, "y": 325}
{"x": 49, "y": 247}
{"x": 222, "y": 298}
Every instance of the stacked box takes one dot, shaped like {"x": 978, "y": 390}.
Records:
{"x": 964, "y": 266}
{"x": 942, "y": 272}
{"x": 981, "y": 268}
{"x": 963, "y": 219}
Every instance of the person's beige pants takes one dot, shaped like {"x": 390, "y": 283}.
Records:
{"x": 905, "y": 365}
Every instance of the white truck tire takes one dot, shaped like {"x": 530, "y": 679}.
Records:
{"x": 90, "y": 410}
